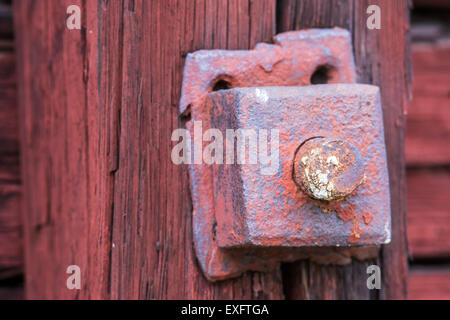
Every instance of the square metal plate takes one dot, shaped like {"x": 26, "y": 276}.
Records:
{"x": 253, "y": 208}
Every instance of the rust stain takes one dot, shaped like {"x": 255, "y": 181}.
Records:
{"x": 356, "y": 231}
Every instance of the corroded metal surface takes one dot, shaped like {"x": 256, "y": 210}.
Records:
{"x": 268, "y": 217}
{"x": 328, "y": 169}
{"x": 290, "y": 61}
{"x": 253, "y": 209}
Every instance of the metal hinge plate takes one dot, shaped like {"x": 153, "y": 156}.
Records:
{"x": 243, "y": 220}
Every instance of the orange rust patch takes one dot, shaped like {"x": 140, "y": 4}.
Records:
{"x": 367, "y": 217}
{"x": 290, "y": 188}
{"x": 356, "y": 231}
{"x": 345, "y": 213}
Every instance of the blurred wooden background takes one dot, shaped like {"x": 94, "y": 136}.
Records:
{"x": 11, "y": 260}
{"x": 427, "y": 149}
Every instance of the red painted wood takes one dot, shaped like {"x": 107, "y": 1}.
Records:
{"x": 428, "y": 213}
{"x": 382, "y": 58}
{"x": 426, "y": 284}
{"x": 11, "y": 293}
{"x": 428, "y": 129}
{"x": 100, "y": 189}
{"x": 11, "y": 260}
{"x": 431, "y": 4}
{"x": 428, "y": 156}
{"x": 11, "y": 255}
{"x": 66, "y": 184}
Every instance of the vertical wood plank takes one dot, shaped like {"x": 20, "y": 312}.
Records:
{"x": 382, "y": 58}
{"x": 153, "y": 255}
{"x": 98, "y": 106}
{"x": 62, "y": 150}
{"x": 11, "y": 261}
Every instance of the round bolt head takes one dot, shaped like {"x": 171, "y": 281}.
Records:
{"x": 328, "y": 169}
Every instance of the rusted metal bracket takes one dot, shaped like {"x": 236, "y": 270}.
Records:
{"x": 329, "y": 193}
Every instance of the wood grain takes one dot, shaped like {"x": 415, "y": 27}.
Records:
{"x": 310, "y": 281}
{"x": 64, "y": 179}
{"x": 11, "y": 255}
{"x": 382, "y": 58}
{"x": 11, "y": 260}
{"x": 428, "y": 157}
{"x": 152, "y": 212}
{"x": 100, "y": 188}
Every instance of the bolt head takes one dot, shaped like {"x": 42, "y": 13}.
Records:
{"x": 328, "y": 169}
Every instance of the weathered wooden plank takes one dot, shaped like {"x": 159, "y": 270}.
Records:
{"x": 382, "y": 58}
{"x": 9, "y": 131}
{"x": 100, "y": 189}
{"x": 428, "y": 130}
{"x": 65, "y": 185}
{"x": 429, "y": 284}
{"x": 11, "y": 293}
{"x": 10, "y": 230}
{"x": 6, "y": 25}
{"x": 308, "y": 280}
{"x": 153, "y": 255}
{"x": 431, "y": 4}
{"x": 428, "y": 213}
{"x": 11, "y": 260}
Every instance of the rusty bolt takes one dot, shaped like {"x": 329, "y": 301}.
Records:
{"x": 328, "y": 169}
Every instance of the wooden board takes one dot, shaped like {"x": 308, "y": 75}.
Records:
{"x": 100, "y": 189}
{"x": 11, "y": 260}
{"x": 428, "y": 129}
{"x": 428, "y": 157}
{"x": 429, "y": 213}
{"x": 377, "y": 54}
{"x": 426, "y": 284}
{"x": 96, "y": 145}
{"x": 11, "y": 293}
{"x": 431, "y": 4}
{"x": 11, "y": 255}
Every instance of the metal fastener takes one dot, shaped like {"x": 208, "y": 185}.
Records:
{"x": 328, "y": 169}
